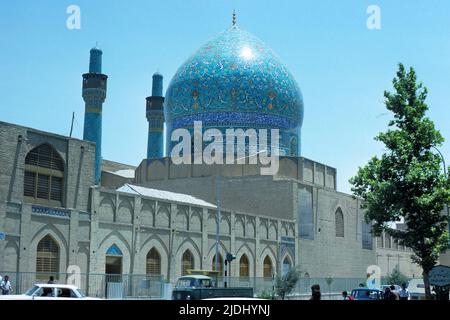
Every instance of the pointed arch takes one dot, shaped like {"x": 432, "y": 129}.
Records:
{"x": 264, "y": 229}
{"x": 162, "y": 215}
{"x": 339, "y": 223}
{"x": 44, "y": 176}
{"x": 107, "y": 208}
{"x": 52, "y": 230}
{"x": 11, "y": 256}
{"x": 245, "y": 249}
{"x": 196, "y": 220}
{"x": 56, "y": 234}
{"x": 117, "y": 235}
{"x": 225, "y": 224}
{"x": 83, "y": 258}
{"x": 182, "y": 217}
{"x": 286, "y": 264}
{"x": 222, "y": 249}
{"x": 273, "y": 231}
{"x": 114, "y": 250}
{"x": 107, "y": 199}
{"x": 147, "y": 215}
{"x": 244, "y": 266}
{"x": 268, "y": 269}
{"x": 117, "y": 239}
{"x": 153, "y": 242}
{"x": 187, "y": 262}
{"x": 153, "y": 265}
{"x": 239, "y": 226}
{"x": 126, "y": 203}
{"x": 188, "y": 244}
{"x": 47, "y": 258}
{"x": 268, "y": 251}
{"x": 219, "y": 262}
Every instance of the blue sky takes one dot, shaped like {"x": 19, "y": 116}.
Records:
{"x": 341, "y": 66}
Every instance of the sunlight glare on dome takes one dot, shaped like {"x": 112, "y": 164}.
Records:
{"x": 246, "y": 53}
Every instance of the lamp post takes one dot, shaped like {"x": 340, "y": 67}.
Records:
{"x": 218, "y": 181}
{"x": 445, "y": 174}
{"x": 169, "y": 262}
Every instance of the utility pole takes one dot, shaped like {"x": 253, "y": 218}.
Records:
{"x": 218, "y": 181}
{"x": 169, "y": 263}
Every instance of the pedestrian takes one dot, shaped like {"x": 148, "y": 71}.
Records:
{"x": 315, "y": 292}
{"x": 51, "y": 280}
{"x": 5, "y": 286}
{"x": 387, "y": 293}
{"x": 346, "y": 296}
{"x": 404, "y": 293}
{"x": 395, "y": 295}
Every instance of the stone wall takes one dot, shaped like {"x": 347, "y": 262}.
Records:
{"x": 25, "y": 223}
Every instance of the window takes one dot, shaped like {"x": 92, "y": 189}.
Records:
{"x": 244, "y": 271}
{"x": 47, "y": 258}
{"x": 113, "y": 264}
{"x": 380, "y": 242}
{"x": 305, "y": 212}
{"x": 286, "y": 265}
{"x": 44, "y": 175}
{"x": 367, "y": 239}
{"x": 267, "y": 267}
{"x": 153, "y": 262}
{"x": 220, "y": 262}
{"x": 187, "y": 262}
{"x": 396, "y": 247}
{"x": 339, "y": 221}
{"x": 387, "y": 241}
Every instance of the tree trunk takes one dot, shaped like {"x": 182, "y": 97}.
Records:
{"x": 426, "y": 281}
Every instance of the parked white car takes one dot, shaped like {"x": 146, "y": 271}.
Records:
{"x": 49, "y": 292}
{"x": 416, "y": 289}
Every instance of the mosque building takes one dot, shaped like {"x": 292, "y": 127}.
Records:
{"x": 62, "y": 205}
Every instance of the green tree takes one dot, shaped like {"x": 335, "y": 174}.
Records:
{"x": 285, "y": 284}
{"x": 329, "y": 281}
{"x": 266, "y": 294}
{"x": 396, "y": 277}
{"x": 406, "y": 183}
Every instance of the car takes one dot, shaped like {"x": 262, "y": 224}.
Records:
{"x": 50, "y": 292}
{"x": 234, "y": 298}
{"x": 200, "y": 287}
{"x": 416, "y": 289}
{"x": 367, "y": 294}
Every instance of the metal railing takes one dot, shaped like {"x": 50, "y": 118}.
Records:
{"x": 125, "y": 286}
{"x": 132, "y": 286}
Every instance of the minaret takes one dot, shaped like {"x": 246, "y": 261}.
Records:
{"x": 94, "y": 94}
{"x": 155, "y": 118}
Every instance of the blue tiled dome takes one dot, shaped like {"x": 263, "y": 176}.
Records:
{"x": 236, "y": 81}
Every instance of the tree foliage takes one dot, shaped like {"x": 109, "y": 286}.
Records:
{"x": 286, "y": 283}
{"x": 396, "y": 277}
{"x": 406, "y": 183}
